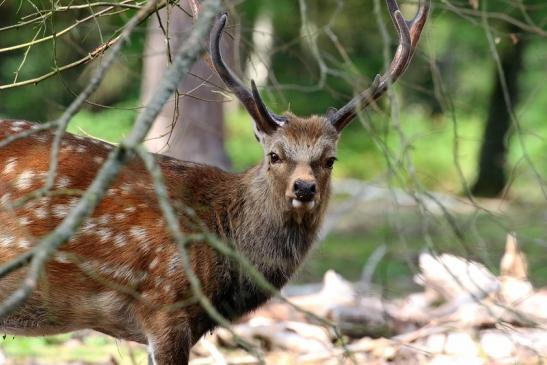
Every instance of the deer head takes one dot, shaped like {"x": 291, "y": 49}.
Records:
{"x": 300, "y": 152}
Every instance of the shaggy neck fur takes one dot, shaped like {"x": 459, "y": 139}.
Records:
{"x": 253, "y": 215}
{"x": 270, "y": 235}
{"x": 267, "y": 231}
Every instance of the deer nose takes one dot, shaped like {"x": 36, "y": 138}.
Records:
{"x": 304, "y": 190}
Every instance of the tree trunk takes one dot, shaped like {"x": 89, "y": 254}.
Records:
{"x": 492, "y": 177}
{"x": 192, "y": 127}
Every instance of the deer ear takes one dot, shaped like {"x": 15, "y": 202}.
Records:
{"x": 259, "y": 134}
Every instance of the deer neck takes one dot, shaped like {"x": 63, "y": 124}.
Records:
{"x": 264, "y": 229}
{"x": 261, "y": 227}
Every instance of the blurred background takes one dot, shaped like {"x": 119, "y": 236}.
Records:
{"x": 452, "y": 160}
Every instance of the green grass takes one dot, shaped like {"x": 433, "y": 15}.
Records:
{"x": 94, "y": 348}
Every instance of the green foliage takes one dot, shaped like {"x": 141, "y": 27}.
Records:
{"x": 50, "y": 97}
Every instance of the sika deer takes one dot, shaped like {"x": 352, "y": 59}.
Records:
{"x": 121, "y": 274}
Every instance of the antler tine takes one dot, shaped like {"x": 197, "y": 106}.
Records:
{"x": 266, "y": 120}
{"x": 409, "y": 34}
{"x": 417, "y": 23}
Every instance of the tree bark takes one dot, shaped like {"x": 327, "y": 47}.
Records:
{"x": 190, "y": 127}
{"x": 492, "y": 177}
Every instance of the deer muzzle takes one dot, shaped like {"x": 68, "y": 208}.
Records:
{"x": 304, "y": 194}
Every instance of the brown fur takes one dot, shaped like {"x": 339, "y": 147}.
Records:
{"x": 121, "y": 274}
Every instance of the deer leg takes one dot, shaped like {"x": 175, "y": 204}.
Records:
{"x": 169, "y": 336}
{"x": 170, "y": 348}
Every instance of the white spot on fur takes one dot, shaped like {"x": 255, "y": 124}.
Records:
{"x": 98, "y": 159}
{"x": 60, "y": 211}
{"x": 126, "y": 188}
{"x": 89, "y": 226}
{"x": 23, "y": 243}
{"x": 104, "y": 219}
{"x": 121, "y": 272}
{"x": 61, "y": 258}
{"x": 158, "y": 282}
{"x": 10, "y": 165}
{"x": 120, "y": 216}
{"x": 39, "y": 137}
{"x": 24, "y": 221}
{"x": 130, "y": 209}
{"x": 141, "y": 236}
{"x": 6, "y": 240}
{"x": 104, "y": 234}
{"x": 24, "y": 180}
{"x": 5, "y": 200}
{"x": 40, "y": 212}
{"x": 20, "y": 123}
{"x": 81, "y": 148}
{"x": 62, "y": 182}
{"x": 138, "y": 233}
{"x": 120, "y": 240}
{"x": 154, "y": 263}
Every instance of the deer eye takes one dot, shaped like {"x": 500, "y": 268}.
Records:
{"x": 274, "y": 158}
{"x": 329, "y": 163}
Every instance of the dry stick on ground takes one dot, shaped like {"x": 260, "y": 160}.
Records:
{"x": 118, "y": 157}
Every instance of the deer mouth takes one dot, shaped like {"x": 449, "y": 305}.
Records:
{"x": 300, "y": 204}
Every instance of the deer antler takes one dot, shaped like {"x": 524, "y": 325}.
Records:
{"x": 265, "y": 119}
{"x": 409, "y": 34}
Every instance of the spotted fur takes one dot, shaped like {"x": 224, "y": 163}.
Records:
{"x": 122, "y": 274}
